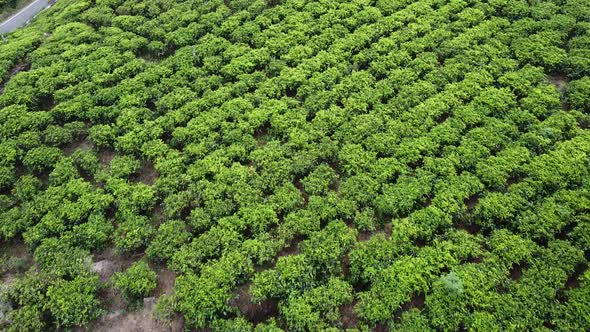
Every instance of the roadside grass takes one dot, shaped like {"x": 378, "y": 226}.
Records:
{"x": 9, "y": 10}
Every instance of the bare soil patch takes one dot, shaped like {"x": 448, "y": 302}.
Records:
{"x": 83, "y": 145}
{"x": 22, "y": 66}
{"x": 137, "y": 321}
{"x": 254, "y": 312}
{"x": 14, "y": 260}
{"x": 561, "y": 81}
{"x": 118, "y": 318}
{"x": 348, "y": 317}
{"x": 297, "y": 183}
{"x": 105, "y": 157}
{"x": 292, "y": 248}
{"x": 147, "y": 174}
{"x": 516, "y": 272}
{"x": 573, "y": 281}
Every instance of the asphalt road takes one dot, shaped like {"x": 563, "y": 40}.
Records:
{"x": 23, "y": 16}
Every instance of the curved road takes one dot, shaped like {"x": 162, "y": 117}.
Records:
{"x": 24, "y": 16}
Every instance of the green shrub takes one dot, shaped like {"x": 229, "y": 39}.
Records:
{"x": 133, "y": 233}
{"x": 169, "y": 237}
{"x": 137, "y": 282}
{"x": 74, "y": 302}
{"x": 578, "y": 94}
{"x": 27, "y": 318}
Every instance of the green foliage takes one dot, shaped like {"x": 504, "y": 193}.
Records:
{"x": 203, "y": 299}
{"x": 26, "y": 318}
{"x": 137, "y": 282}
{"x": 291, "y": 275}
{"x": 60, "y": 259}
{"x": 123, "y": 166}
{"x": 319, "y": 180}
{"x": 42, "y": 158}
{"x": 169, "y": 237}
{"x": 578, "y": 92}
{"x": 74, "y": 302}
{"x": 133, "y": 232}
{"x": 318, "y": 307}
{"x": 422, "y": 163}
{"x": 325, "y": 249}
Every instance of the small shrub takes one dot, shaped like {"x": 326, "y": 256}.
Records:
{"x": 136, "y": 282}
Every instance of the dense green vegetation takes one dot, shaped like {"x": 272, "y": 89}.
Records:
{"x": 411, "y": 165}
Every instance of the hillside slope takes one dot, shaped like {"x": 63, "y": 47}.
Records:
{"x": 297, "y": 165}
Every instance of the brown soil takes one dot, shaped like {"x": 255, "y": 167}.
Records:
{"x": 253, "y": 312}
{"x": 291, "y": 249}
{"x": 346, "y": 265}
{"x": 560, "y": 81}
{"x": 387, "y": 229}
{"x": 516, "y": 272}
{"x": 117, "y": 318}
{"x": 116, "y": 263}
{"x": 299, "y": 185}
{"x": 348, "y": 317}
{"x": 83, "y": 145}
{"x": 475, "y": 260}
{"x": 122, "y": 261}
{"x": 416, "y": 302}
{"x": 470, "y": 228}
{"x": 364, "y": 236}
{"x": 141, "y": 320}
{"x": 166, "y": 280}
{"x": 159, "y": 216}
{"x": 381, "y": 327}
{"x": 23, "y": 66}
{"x": 16, "y": 250}
{"x": 573, "y": 281}
{"x": 471, "y": 202}
{"x": 147, "y": 174}
{"x": 105, "y": 157}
